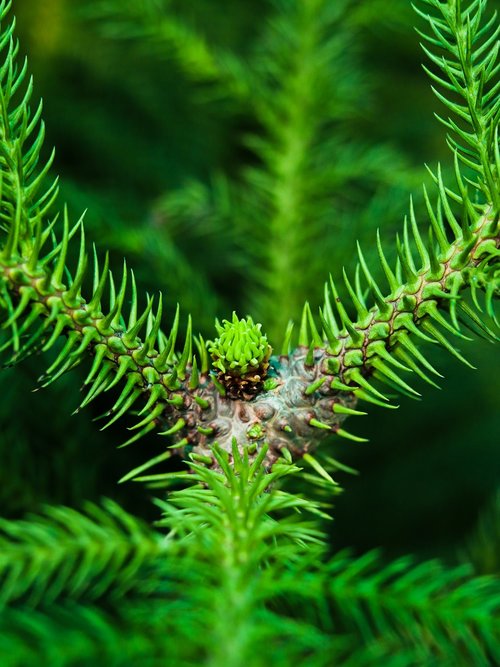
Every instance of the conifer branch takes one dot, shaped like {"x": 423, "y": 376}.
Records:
{"x": 310, "y": 390}
{"x": 297, "y": 120}
{"x": 382, "y": 340}
{"x": 241, "y": 553}
{"x": 416, "y": 602}
{"x": 465, "y": 50}
{"x": 241, "y": 550}
{"x": 308, "y": 162}
{"x": 64, "y": 553}
{"x": 226, "y": 519}
{"x": 158, "y": 23}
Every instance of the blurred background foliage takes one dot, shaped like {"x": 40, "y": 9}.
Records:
{"x": 234, "y": 158}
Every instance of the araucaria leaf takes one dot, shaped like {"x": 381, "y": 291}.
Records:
{"x": 238, "y": 571}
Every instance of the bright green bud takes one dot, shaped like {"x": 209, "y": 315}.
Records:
{"x": 255, "y": 431}
{"x": 241, "y": 347}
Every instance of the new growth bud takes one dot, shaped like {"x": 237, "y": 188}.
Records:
{"x": 240, "y": 355}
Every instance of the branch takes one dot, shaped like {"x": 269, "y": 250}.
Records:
{"x": 101, "y": 553}
{"x": 308, "y": 391}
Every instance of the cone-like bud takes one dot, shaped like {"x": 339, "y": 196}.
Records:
{"x": 241, "y": 356}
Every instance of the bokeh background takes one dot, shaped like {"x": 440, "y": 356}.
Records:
{"x": 172, "y": 122}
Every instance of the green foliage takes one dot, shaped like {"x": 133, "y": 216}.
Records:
{"x": 25, "y": 202}
{"x": 355, "y": 349}
{"x": 466, "y": 51}
{"x": 64, "y": 553}
{"x": 382, "y": 600}
{"x": 165, "y": 31}
{"x": 244, "y": 563}
{"x": 381, "y": 339}
{"x": 297, "y": 84}
{"x": 243, "y": 554}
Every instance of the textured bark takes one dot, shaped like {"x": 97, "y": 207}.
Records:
{"x": 279, "y": 417}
